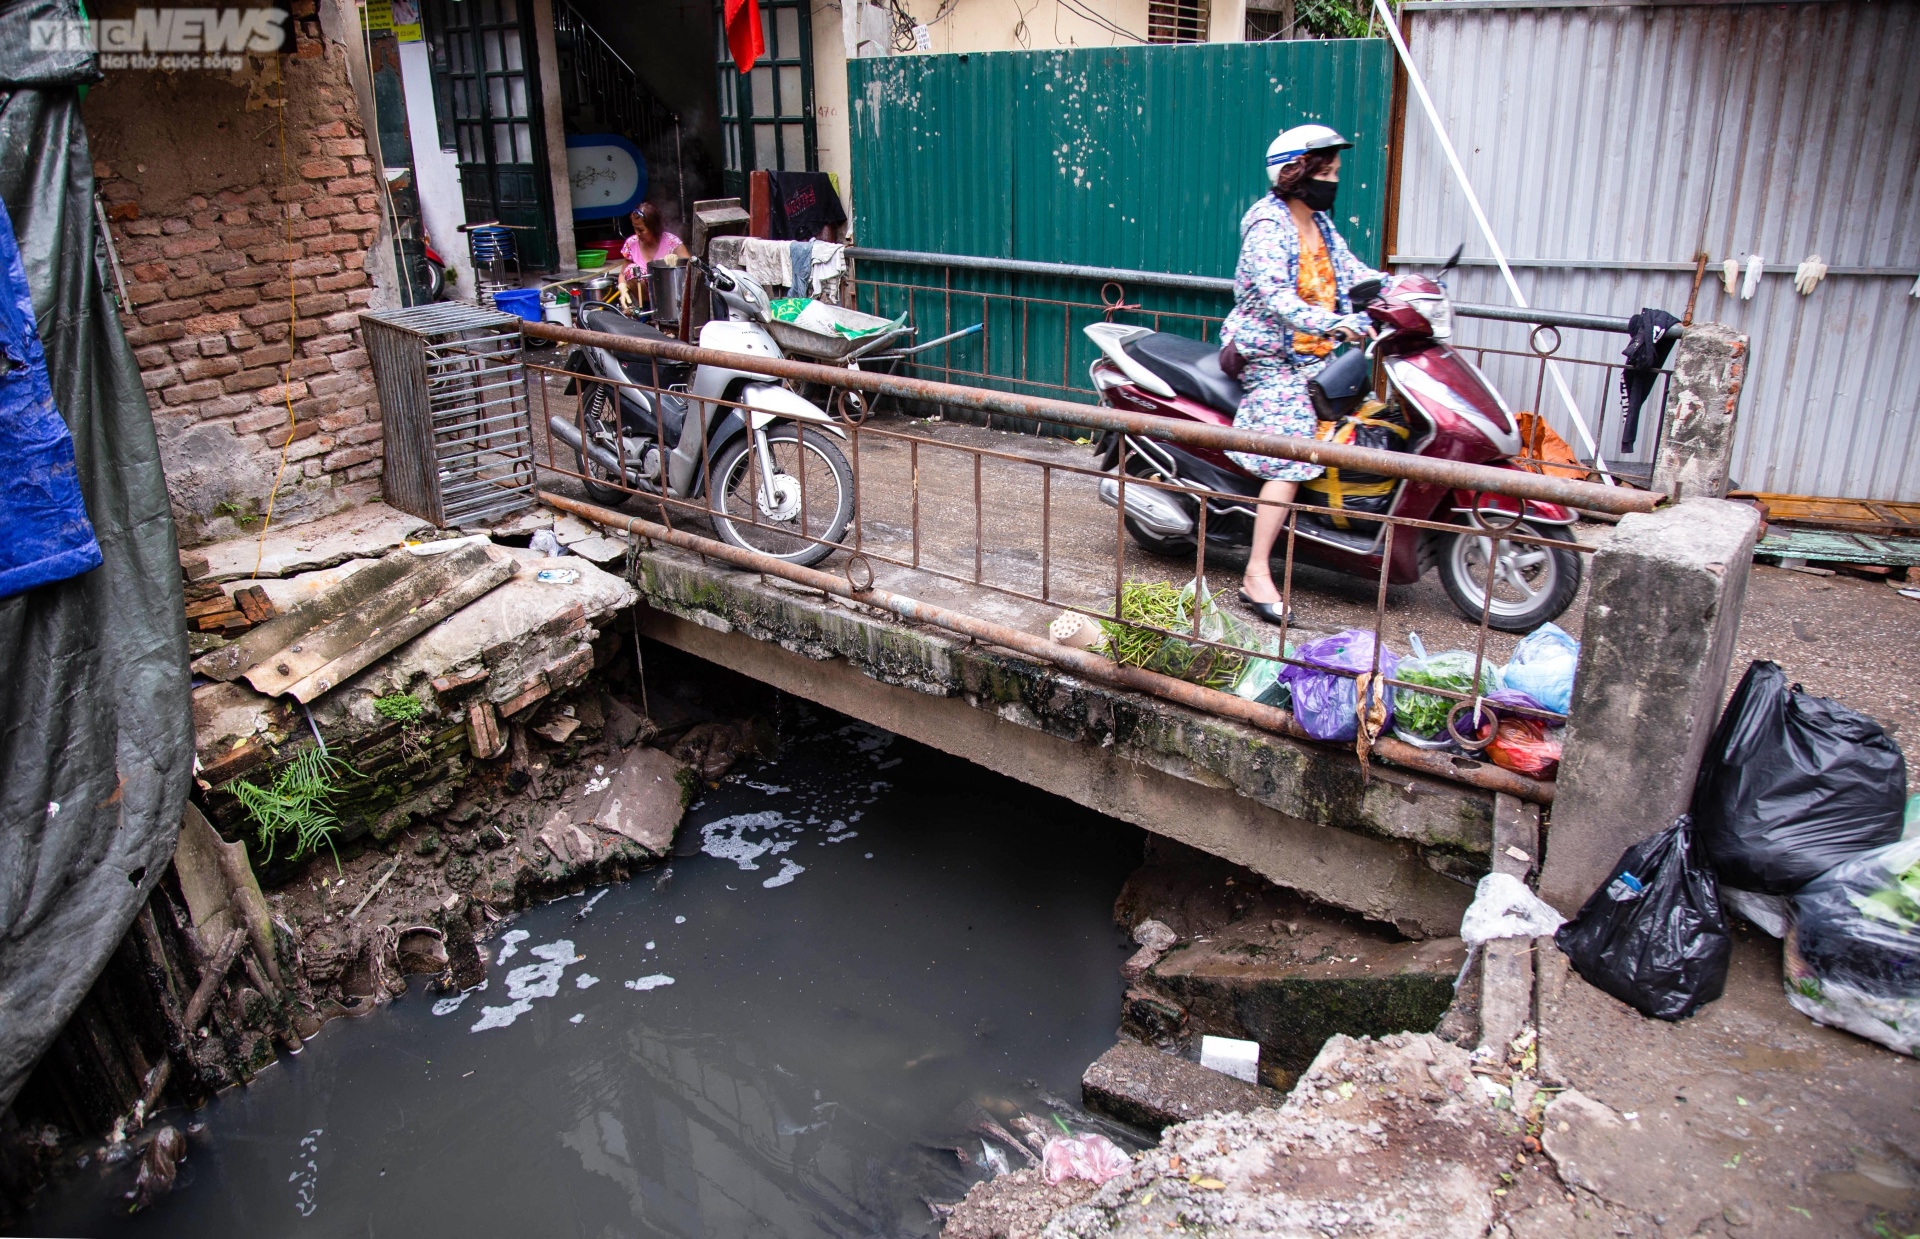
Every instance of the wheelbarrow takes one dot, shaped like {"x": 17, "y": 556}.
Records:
{"x": 886, "y": 346}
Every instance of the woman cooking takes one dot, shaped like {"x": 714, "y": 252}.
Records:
{"x": 650, "y": 241}
{"x": 1291, "y": 308}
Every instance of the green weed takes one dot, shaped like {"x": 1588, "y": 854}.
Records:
{"x": 297, "y": 808}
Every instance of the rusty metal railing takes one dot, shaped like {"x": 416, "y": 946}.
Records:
{"x": 1035, "y": 344}
{"x": 909, "y": 524}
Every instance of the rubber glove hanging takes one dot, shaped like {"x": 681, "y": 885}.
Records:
{"x": 1730, "y": 275}
{"x": 1756, "y": 267}
{"x": 1811, "y": 271}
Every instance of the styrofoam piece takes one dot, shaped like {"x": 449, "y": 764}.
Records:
{"x": 1231, "y": 1056}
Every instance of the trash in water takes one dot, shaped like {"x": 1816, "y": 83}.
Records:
{"x": 993, "y": 1159}
{"x": 1792, "y": 785}
{"x": 1853, "y": 953}
{"x": 577, "y": 1018}
{"x": 1089, "y": 1155}
{"x": 1230, "y": 1056}
{"x": 1653, "y": 935}
{"x": 556, "y": 576}
{"x": 655, "y": 981}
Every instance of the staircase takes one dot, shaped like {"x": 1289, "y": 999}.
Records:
{"x": 600, "y": 93}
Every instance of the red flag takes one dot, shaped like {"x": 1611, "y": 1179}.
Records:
{"x": 745, "y": 38}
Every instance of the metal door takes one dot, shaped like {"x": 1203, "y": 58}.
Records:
{"x": 499, "y": 133}
{"x": 766, "y": 116}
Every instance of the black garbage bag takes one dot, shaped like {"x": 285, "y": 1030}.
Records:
{"x": 1793, "y": 784}
{"x": 1653, "y": 935}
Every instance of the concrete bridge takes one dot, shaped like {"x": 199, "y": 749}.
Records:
{"x": 937, "y": 634}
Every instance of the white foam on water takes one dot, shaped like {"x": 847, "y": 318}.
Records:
{"x": 789, "y": 870}
{"x": 655, "y": 981}
{"x": 528, "y": 982}
{"x": 727, "y": 839}
{"x": 586, "y": 980}
{"x": 679, "y": 920}
{"x": 649, "y": 945}
{"x": 510, "y": 944}
{"x": 576, "y": 1019}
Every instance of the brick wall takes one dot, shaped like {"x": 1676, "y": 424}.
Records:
{"x": 246, "y": 280}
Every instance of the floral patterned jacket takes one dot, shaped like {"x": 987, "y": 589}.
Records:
{"x": 1267, "y": 308}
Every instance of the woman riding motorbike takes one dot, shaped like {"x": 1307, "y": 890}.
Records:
{"x": 1292, "y": 305}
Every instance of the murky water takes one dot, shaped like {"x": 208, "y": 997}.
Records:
{"x": 866, "y": 941}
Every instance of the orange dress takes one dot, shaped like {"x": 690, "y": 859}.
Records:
{"x": 1317, "y": 287}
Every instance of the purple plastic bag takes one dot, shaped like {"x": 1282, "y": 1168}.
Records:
{"x": 1323, "y": 702}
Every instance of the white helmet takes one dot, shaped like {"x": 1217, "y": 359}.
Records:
{"x": 1298, "y": 141}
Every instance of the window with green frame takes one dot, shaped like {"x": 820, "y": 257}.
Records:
{"x": 766, "y": 116}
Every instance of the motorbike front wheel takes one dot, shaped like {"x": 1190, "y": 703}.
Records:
{"x": 808, "y": 505}
{"x": 1531, "y": 584}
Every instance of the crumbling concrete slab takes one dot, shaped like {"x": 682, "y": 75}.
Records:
{"x": 1291, "y": 990}
{"x": 1297, "y": 813}
{"x": 290, "y": 592}
{"x": 1393, "y": 1138}
{"x": 1149, "y": 1088}
{"x": 644, "y": 801}
{"x": 367, "y": 531}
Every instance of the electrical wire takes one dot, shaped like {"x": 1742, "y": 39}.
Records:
{"x": 1086, "y": 14}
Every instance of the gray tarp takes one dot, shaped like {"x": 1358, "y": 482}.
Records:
{"x": 94, "y": 709}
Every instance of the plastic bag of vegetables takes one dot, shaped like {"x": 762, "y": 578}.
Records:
{"x": 1421, "y": 718}
{"x": 1149, "y": 605}
{"x": 1853, "y": 952}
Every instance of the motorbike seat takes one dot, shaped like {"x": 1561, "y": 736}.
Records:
{"x": 1191, "y": 367}
{"x": 637, "y": 369}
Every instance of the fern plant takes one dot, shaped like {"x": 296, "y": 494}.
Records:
{"x": 297, "y": 806}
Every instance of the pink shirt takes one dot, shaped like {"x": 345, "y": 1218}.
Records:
{"x": 668, "y": 244}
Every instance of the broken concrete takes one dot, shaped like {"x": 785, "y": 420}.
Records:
{"x": 1387, "y": 1138}
{"x": 1012, "y": 1206}
{"x": 1153, "y": 1089}
{"x": 367, "y": 531}
{"x": 1297, "y": 813}
{"x": 1291, "y": 991}
{"x": 644, "y": 800}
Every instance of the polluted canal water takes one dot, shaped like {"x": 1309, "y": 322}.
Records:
{"x": 859, "y": 946}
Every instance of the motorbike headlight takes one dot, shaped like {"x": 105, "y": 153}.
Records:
{"x": 1437, "y": 310}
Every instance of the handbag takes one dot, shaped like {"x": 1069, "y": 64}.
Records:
{"x": 1231, "y": 362}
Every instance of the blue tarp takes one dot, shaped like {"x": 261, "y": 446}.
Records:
{"x": 45, "y": 535}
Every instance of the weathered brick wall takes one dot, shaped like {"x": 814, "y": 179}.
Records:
{"x": 246, "y": 267}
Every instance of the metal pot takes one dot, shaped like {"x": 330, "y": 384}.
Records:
{"x": 666, "y": 286}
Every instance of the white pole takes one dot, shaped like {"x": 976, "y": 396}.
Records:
{"x": 1480, "y": 215}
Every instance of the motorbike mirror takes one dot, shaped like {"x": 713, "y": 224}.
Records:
{"x": 1454, "y": 260}
{"x": 1365, "y": 291}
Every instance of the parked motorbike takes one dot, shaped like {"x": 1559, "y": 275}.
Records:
{"x": 682, "y": 443}
{"x": 1449, "y": 412}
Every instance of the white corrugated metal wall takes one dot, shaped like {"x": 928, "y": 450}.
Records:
{"x": 1610, "y": 142}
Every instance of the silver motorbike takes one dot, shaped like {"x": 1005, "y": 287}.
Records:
{"x": 762, "y": 457}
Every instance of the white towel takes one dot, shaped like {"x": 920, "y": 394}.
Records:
{"x": 766, "y": 262}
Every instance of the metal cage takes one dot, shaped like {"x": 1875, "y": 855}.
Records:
{"x": 453, "y": 401}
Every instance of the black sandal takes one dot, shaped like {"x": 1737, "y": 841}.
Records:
{"x": 1268, "y": 611}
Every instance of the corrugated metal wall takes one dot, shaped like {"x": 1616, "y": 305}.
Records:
{"x": 1637, "y": 136}
{"x": 1137, "y": 157}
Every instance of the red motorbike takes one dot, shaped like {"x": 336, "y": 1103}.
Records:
{"x": 1435, "y": 397}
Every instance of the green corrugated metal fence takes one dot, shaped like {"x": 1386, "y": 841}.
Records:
{"x": 1140, "y": 157}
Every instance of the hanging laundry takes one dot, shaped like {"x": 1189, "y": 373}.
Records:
{"x": 1650, "y": 338}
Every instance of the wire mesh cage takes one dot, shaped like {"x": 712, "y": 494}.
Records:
{"x": 453, "y": 401}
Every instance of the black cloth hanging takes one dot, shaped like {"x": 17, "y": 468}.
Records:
{"x": 799, "y": 204}
{"x": 1650, "y": 338}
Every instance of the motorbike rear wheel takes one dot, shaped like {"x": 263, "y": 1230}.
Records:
{"x": 1531, "y": 584}
{"x": 596, "y": 479}
{"x": 806, "y": 465}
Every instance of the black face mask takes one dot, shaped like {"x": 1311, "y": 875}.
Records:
{"x": 1318, "y": 195}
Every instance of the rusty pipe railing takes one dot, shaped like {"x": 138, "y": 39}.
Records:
{"x": 1079, "y": 662}
{"x": 1481, "y": 478}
